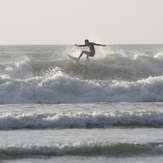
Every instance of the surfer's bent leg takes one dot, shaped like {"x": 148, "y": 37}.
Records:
{"x": 87, "y": 54}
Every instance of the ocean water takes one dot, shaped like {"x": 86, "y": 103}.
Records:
{"x": 106, "y": 110}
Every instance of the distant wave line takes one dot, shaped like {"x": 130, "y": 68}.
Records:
{"x": 82, "y": 120}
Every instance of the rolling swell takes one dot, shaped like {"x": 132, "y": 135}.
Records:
{"x": 79, "y": 120}
{"x": 82, "y": 149}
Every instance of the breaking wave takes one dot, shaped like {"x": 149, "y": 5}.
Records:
{"x": 114, "y": 78}
{"x": 63, "y": 89}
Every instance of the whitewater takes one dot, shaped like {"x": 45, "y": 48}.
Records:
{"x": 106, "y": 110}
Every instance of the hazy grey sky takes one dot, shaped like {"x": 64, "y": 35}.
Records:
{"x": 71, "y": 21}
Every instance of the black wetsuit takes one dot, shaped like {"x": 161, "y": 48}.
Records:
{"x": 92, "y": 48}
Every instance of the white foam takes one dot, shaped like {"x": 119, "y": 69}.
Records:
{"x": 62, "y": 89}
{"x": 159, "y": 55}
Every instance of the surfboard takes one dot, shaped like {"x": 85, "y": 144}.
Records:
{"x": 73, "y": 58}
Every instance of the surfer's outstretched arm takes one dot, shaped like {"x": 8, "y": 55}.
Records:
{"x": 99, "y": 44}
{"x": 80, "y": 45}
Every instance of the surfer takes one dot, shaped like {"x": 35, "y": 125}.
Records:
{"x": 91, "y": 45}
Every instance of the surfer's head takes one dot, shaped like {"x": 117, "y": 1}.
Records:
{"x": 86, "y": 42}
